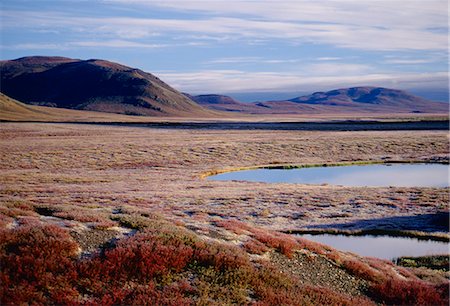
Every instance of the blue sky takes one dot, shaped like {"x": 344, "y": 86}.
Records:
{"x": 244, "y": 46}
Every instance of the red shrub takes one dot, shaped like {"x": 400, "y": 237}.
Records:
{"x": 105, "y": 224}
{"x": 29, "y": 221}
{"x": 255, "y": 247}
{"x": 219, "y": 256}
{"x": 36, "y": 265}
{"x": 361, "y": 269}
{"x": 284, "y": 243}
{"x": 406, "y": 273}
{"x": 234, "y": 226}
{"x": 313, "y": 246}
{"x": 400, "y": 292}
{"x": 147, "y": 294}
{"x": 141, "y": 257}
{"x": 5, "y": 220}
{"x": 81, "y": 216}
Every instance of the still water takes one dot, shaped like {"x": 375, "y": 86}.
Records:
{"x": 382, "y": 246}
{"x": 397, "y": 175}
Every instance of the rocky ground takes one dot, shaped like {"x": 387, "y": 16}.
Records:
{"x": 319, "y": 271}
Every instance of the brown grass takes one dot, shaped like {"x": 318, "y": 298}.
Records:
{"x": 88, "y": 178}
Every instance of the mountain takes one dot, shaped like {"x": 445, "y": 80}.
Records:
{"x": 99, "y": 85}
{"x": 338, "y": 101}
{"x": 95, "y": 85}
{"x": 360, "y": 96}
{"x": 223, "y": 103}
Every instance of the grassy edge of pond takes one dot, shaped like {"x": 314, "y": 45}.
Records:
{"x": 443, "y": 237}
{"x": 434, "y": 262}
{"x": 206, "y": 174}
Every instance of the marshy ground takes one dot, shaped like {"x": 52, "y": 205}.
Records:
{"x": 105, "y": 183}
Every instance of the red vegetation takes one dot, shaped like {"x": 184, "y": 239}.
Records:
{"x": 253, "y": 246}
{"x": 80, "y": 215}
{"x": 313, "y": 246}
{"x": 166, "y": 265}
{"x": 284, "y": 243}
{"x": 361, "y": 269}
{"x": 401, "y": 292}
{"x": 234, "y": 226}
{"x": 141, "y": 258}
{"x": 37, "y": 265}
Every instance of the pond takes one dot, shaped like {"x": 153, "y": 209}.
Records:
{"x": 384, "y": 247}
{"x": 374, "y": 175}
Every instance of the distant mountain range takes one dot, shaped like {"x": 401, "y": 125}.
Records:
{"x": 104, "y": 86}
{"x": 346, "y": 100}
{"x": 95, "y": 85}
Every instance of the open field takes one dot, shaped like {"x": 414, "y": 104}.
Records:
{"x": 101, "y": 182}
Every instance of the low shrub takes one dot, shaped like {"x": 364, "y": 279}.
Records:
{"x": 37, "y": 265}
{"x": 362, "y": 270}
{"x": 402, "y": 292}
{"x": 5, "y": 220}
{"x": 253, "y": 246}
{"x": 134, "y": 221}
{"x": 234, "y": 226}
{"x": 166, "y": 265}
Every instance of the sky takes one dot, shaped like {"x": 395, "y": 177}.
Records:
{"x": 239, "y": 46}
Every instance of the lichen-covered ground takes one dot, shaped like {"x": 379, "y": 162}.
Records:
{"x": 102, "y": 168}
{"x": 103, "y": 183}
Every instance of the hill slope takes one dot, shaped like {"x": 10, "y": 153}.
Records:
{"x": 95, "y": 85}
{"x": 13, "y": 110}
{"x": 346, "y": 100}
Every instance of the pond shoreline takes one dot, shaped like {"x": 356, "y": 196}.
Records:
{"x": 383, "y": 247}
{"x": 206, "y": 174}
{"x": 433, "y": 236}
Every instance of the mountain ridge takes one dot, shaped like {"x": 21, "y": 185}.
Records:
{"x": 100, "y": 85}
{"x": 343, "y": 100}
{"x": 96, "y": 85}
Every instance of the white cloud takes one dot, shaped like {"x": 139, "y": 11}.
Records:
{"x": 234, "y": 60}
{"x": 36, "y": 46}
{"x": 374, "y": 13}
{"x": 249, "y": 60}
{"x": 338, "y": 69}
{"x": 116, "y": 44}
{"x": 213, "y": 81}
{"x": 84, "y": 44}
{"x": 400, "y": 61}
{"x": 363, "y": 24}
{"x": 373, "y": 25}
{"x": 329, "y": 58}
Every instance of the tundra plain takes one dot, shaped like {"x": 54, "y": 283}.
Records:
{"x": 105, "y": 187}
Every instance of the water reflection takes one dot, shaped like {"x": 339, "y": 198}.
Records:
{"x": 382, "y": 246}
{"x": 399, "y": 175}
